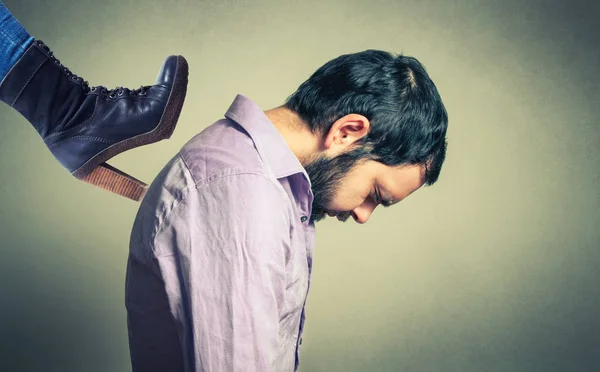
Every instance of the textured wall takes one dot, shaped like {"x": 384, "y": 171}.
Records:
{"x": 495, "y": 268}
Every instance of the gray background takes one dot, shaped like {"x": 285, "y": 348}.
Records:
{"x": 495, "y": 268}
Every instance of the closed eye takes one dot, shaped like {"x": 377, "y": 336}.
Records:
{"x": 387, "y": 203}
{"x": 384, "y": 203}
{"x": 377, "y": 199}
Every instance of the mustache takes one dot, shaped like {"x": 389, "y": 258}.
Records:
{"x": 344, "y": 216}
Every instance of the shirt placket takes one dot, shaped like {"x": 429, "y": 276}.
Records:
{"x": 308, "y": 229}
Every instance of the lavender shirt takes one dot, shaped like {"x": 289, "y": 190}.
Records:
{"x": 221, "y": 253}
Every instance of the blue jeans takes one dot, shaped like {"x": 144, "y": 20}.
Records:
{"x": 14, "y": 41}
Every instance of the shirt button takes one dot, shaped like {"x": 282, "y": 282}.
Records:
{"x": 303, "y": 218}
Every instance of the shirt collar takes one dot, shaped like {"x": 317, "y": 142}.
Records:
{"x": 268, "y": 141}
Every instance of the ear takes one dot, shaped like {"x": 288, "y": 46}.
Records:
{"x": 344, "y": 132}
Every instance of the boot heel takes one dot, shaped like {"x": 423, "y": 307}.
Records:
{"x": 111, "y": 179}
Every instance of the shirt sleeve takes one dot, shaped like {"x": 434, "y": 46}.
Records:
{"x": 220, "y": 253}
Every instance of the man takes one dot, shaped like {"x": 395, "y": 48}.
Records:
{"x": 221, "y": 249}
{"x": 85, "y": 126}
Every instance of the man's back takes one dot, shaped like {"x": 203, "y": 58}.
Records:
{"x": 220, "y": 254}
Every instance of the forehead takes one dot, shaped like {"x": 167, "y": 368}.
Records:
{"x": 411, "y": 174}
{"x": 391, "y": 177}
{"x": 400, "y": 181}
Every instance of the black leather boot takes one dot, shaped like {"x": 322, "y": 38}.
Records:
{"x": 85, "y": 126}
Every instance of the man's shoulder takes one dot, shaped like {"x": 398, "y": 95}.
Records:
{"x": 222, "y": 147}
{"x": 221, "y": 159}
{"x": 176, "y": 205}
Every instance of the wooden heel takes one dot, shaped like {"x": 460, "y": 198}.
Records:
{"x": 111, "y": 179}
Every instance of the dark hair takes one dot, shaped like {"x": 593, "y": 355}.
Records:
{"x": 407, "y": 116}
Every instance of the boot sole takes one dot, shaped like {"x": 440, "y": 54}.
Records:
{"x": 98, "y": 173}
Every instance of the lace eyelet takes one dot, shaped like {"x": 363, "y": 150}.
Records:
{"x": 120, "y": 93}
{"x": 93, "y": 89}
{"x": 74, "y": 78}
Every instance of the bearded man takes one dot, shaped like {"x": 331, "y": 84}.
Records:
{"x": 221, "y": 249}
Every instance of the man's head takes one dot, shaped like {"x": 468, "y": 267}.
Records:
{"x": 382, "y": 127}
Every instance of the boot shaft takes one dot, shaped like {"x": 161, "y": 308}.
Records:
{"x": 43, "y": 91}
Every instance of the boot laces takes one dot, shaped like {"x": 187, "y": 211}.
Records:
{"x": 112, "y": 93}
{"x": 119, "y": 91}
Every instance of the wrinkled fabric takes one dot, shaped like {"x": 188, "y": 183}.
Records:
{"x": 221, "y": 253}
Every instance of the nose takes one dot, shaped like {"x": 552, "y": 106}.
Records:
{"x": 362, "y": 213}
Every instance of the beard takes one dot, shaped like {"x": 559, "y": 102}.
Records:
{"x": 326, "y": 176}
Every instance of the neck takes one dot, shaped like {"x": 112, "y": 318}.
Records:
{"x": 296, "y": 133}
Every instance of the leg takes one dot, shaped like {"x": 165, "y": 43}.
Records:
{"x": 14, "y": 41}
{"x": 85, "y": 126}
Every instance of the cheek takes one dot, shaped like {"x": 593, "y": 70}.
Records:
{"x": 346, "y": 199}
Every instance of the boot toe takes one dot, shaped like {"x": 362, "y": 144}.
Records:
{"x": 169, "y": 69}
